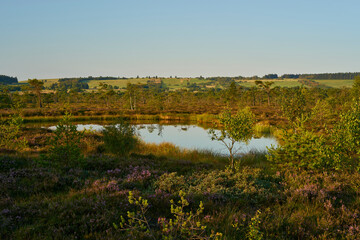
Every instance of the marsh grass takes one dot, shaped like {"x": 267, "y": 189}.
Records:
{"x": 263, "y": 129}
{"x": 169, "y": 150}
{"x": 35, "y": 119}
{"x": 256, "y": 159}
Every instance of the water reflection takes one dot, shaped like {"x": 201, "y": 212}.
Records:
{"x": 187, "y": 136}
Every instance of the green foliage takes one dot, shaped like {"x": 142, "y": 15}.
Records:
{"x": 346, "y": 137}
{"x": 321, "y": 114}
{"x": 65, "y": 144}
{"x": 244, "y": 186}
{"x": 340, "y": 149}
{"x": 37, "y": 86}
{"x": 303, "y": 149}
{"x": 184, "y": 225}
{"x": 8, "y": 80}
{"x": 170, "y": 182}
{"x": 266, "y": 86}
{"x": 356, "y": 87}
{"x": 235, "y": 128}
{"x": 294, "y": 105}
{"x": 119, "y": 139}
{"x": 5, "y": 97}
{"x": 136, "y": 223}
{"x": 254, "y": 228}
{"x": 10, "y": 134}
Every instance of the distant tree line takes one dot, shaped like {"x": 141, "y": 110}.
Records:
{"x": 323, "y": 76}
{"x": 315, "y": 76}
{"x": 65, "y": 84}
{"x": 83, "y": 79}
{"x": 8, "y": 80}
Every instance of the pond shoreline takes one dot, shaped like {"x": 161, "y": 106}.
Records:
{"x": 186, "y": 136}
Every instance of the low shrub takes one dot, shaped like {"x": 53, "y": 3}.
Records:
{"x": 170, "y": 182}
{"x": 65, "y": 144}
{"x": 302, "y": 149}
{"x": 119, "y": 139}
{"x": 10, "y": 134}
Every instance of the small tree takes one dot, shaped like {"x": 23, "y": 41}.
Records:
{"x": 295, "y": 109}
{"x": 10, "y": 133}
{"x": 235, "y": 128}
{"x": 65, "y": 144}
{"x": 37, "y": 87}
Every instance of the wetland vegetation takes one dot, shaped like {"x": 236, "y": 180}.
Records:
{"x": 68, "y": 183}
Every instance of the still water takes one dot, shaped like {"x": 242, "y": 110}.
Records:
{"x": 187, "y": 136}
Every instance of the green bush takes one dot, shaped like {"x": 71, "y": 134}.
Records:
{"x": 10, "y": 134}
{"x": 346, "y": 138}
{"x": 302, "y": 149}
{"x": 65, "y": 144}
{"x": 170, "y": 182}
{"x": 119, "y": 139}
{"x": 182, "y": 225}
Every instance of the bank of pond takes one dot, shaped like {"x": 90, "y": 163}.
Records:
{"x": 187, "y": 136}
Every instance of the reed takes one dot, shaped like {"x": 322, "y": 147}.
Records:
{"x": 169, "y": 150}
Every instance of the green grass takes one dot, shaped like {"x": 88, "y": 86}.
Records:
{"x": 179, "y": 83}
{"x": 49, "y": 82}
{"x": 336, "y": 83}
{"x": 277, "y": 83}
{"x": 121, "y": 83}
{"x": 172, "y": 83}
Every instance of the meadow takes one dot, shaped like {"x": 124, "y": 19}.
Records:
{"x": 183, "y": 83}
{"x": 337, "y": 83}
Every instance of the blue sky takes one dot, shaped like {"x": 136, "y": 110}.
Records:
{"x": 65, "y": 38}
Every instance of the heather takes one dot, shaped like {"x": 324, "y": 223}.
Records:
{"x": 41, "y": 200}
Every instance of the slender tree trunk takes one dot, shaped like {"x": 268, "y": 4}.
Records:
{"x": 131, "y": 107}
{"x": 39, "y": 99}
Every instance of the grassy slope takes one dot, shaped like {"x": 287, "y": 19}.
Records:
{"x": 337, "y": 83}
{"x": 177, "y": 83}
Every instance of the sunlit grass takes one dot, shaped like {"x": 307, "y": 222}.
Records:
{"x": 337, "y": 83}
{"x": 169, "y": 150}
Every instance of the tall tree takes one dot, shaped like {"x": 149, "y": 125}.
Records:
{"x": 266, "y": 86}
{"x": 37, "y": 87}
{"x": 131, "y": 92}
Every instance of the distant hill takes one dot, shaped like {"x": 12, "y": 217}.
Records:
{"x": 316, "y": 80}
{"x": 8, "y": 80}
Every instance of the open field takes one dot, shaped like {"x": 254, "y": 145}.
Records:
{"x": 179, "y": 83}
{"x": 336, "y": 83}
{"x": 277, "y": 83}
{"x": 172, "y": 83}
{"x": 49, "y": 82}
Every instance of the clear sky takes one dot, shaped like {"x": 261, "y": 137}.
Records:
{"x": 68, "y": 38}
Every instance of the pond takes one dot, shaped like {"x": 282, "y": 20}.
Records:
{"x": 187, "y": 136}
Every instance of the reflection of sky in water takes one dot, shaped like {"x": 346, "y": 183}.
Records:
{"x": 187, "y": 136}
